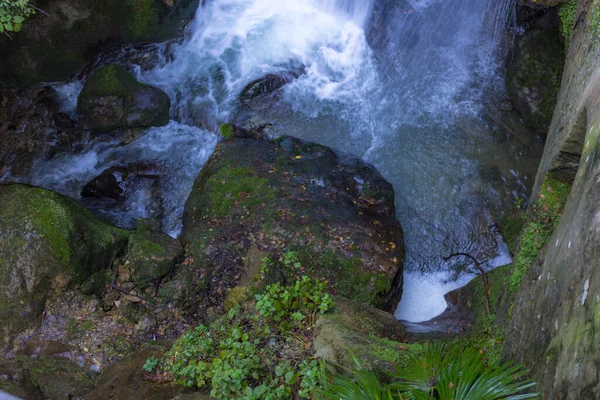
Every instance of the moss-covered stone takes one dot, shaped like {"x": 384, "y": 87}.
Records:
{"x": 375, "y": 337}
{"x": 150, "y": 256}
{"x": 59, "y": 42}
{"x": 58, "y": 378}
{"x": 127, "y": 380}
{"x": 533, "y": 77}
{"x": 543, "y": 218}
{"x": 113, "y": 98}
{"x": 48, "y": 241}
{"x": 292, "y": 200}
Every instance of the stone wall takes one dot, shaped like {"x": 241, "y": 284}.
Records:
{"x": 556, "y": 311}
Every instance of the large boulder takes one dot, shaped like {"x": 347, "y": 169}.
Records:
{"x": 62, "y": 39}
{"x": 47, "y": 243}
{"x": 534, "y": 75}
{"x": 287, "y": 208}
{"x": 112, "y": 98}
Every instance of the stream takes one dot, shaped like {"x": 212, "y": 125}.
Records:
{"x": 412, "y": 86}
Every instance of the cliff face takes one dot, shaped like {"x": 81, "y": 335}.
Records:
{"x": 556, "y": 310}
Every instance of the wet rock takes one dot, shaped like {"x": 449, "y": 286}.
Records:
{"x": 372, "y": 335}
{"x": 541, "y": 3}
{"x": 112, "y": 98}
{"x": 33, "y": 127}
{"x": 534, "y": 74}
{"x": 296, "y": 196}
{"x": 151, "y": 256}
{"x": 266, "y": 85}
{"x": 128, "y": 380}
{"x": 47, "y": 242}
{"x": 60, "y": 41}
{"x": 115, "y": 182}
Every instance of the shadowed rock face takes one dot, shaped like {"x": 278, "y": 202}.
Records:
{"x": 335, "y": 213}
{"x": 533, "y": 76}
{"x": 556, "y": 318}
{"x": 58, "y": 42}
{"x": 32, "y": 127}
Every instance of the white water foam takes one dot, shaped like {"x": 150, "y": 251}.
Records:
{"x": 178, "y": 150}
{"x": 423, "y": 295}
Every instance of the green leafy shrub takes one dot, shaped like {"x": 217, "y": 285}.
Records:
{"x": 150, "y": 364}
{"x": 256, "y": 351}
{"x": 226, "y": 130}
{"x": 13, "y": 13}
{"x": 289, "y": 306}
{"x": 440, "y": 371}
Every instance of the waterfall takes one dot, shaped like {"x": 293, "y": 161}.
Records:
{"x": 401, "y": 83}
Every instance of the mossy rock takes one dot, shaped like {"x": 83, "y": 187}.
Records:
{"x": 127, "y": 380}
{"x": 113, "y": 98}
{"x": 58, "y": 378}
{"x": 534, "y": 76}
{"x": 374, "y": 336}
{"x": 59, "y": 42}
{"x": 150, "y": 256}
{"x": 333, "y": 214}
{"x": 47, "y": 242}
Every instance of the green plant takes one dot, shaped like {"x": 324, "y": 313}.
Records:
{"x": 239, "y": 356}
{"x": 226, "y": 130}
{"x": 544, "y": 217}
{"x": 13, "y": 13}
{"x": 289, "y": 306}
{"x": 567, "y": 13}
{"x": 359, "y": 384}
{"x": 151, "y": 364}
{"x": 440, "y": 371}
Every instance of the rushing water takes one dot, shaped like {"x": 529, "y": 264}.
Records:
{"x": 402, "y": 83}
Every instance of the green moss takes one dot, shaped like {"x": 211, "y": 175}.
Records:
{"x": 149, "y": 248}
{"x": 512, "y": 225}
{"x": 226, "y": 130}
{"x": 142, "y": 19}
{"x": 111, "y": 80}
{"x": 567, "y": 13}
{"x": 543, "y": 219}
{"x": 237, "y": 187}
{"x": 346, "y": 275}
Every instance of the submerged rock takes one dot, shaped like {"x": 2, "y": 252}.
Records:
{"x": 266, "y": 85}
{"x": 47, "y": 242}
{"x": 303, "y": 210}
{"x": 112, "y": 98}
{"x": 115, "y": 182}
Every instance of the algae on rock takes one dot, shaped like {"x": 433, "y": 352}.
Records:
{"x": 47, "y": 242}
{"x": 113, "y": 98}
